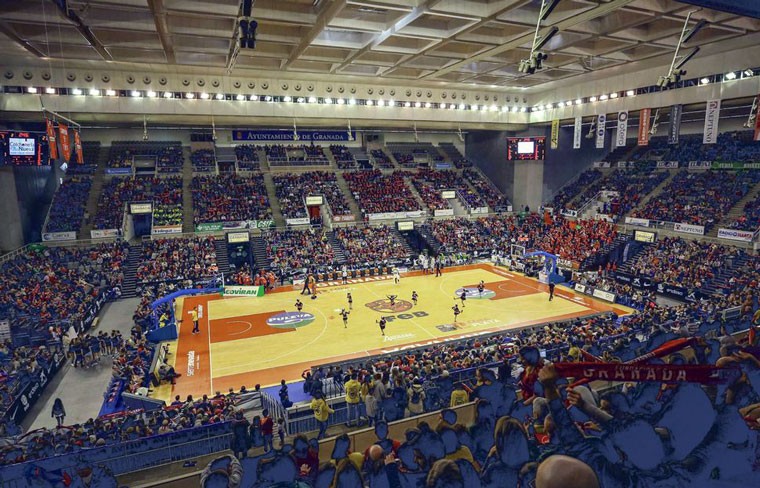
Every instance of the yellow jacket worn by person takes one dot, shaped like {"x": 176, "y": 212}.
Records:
{"x": 321, "y": 409}
{"x": 353, "y": 388}
{"x": 459, "y": 397}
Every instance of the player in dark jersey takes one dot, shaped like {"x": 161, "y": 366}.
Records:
{"x": 299, "y": 305}
{"x": 463, "y": 296}
{"x": 414, "y": 298}
{"x": 382, "y": 323}
{"x": 344, "y": 313}
{"x": 481, "y": 287}
{"x": 350, "y": 301}
{"x": 456, "y": 310}
{"x": 392, "y": 299}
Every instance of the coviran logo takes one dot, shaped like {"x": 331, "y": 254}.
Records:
{"x": 384, "y": 306}
{"x": 289, "y": 320}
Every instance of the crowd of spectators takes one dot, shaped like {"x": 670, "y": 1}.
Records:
{"x": 67, "y": 210}
{"x": 376, "y": 192}
{"x": 699, "y": 198}
{"x": 381, "y": 159}
{"x": 372, "y": 245}
{"x": 177, "y": 259}
{"x": 343, "y": 157}
{"x": 247, "y": 157}
{"x": 429, "y": 184}
{"x": 169, "y": 159}
{"x": 291, "y": 155}
{"x": 229, "y": 198}
{"x": 749, "y": 220}
{"x": 568, "y": 192}
{"x": 682, "y": 262}
{"x": 496, "y": 201}
{"x": 203, "y": 160}
{"x": 163, "y": 192}
{"x": 631, "y": 185}
{"x": 296, "y": 249}
{"x": 19, "y": 366}
{"x": 59, "y": 283}
{"x": 292, "y": 189}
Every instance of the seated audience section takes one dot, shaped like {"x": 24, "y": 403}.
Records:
{"x": 496, "y": 201}
{"x": 164, "y": 192}
{"x": 371, "y": 245}
{"x": 297, "y": 250}
{"x": 67, "y": 209}
{"x": 247, "y": 157}
{"x": 378, "y": 193}
{"x": 293, "y": 188}
{"x": 229, "y": 199}
{"x": 203, "y": 161}
{"x": 291, "y": 155}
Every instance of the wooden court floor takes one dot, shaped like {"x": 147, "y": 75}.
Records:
{"x": 249, "y": 340}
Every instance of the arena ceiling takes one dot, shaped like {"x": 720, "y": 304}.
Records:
{"x": 467, "y": 42}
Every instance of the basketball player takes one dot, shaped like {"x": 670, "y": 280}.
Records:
{"x": 392, "y": 299}
{"x": 194, "y": 317}
{"x": 551, "y": 291}
{"x": 463, "y": 296}
{"x": 344, "y": 275}
{"x": 456, "y": 310}
{"x": 299, "y": 305}
{"x": 344, "y": 313}
{"x": 396, "y": 275}
{"x": 350, "y": 301}
{"x": 481, "y": 287}
{"x": 414, "y": 298}
{"x": 381, "y": 322}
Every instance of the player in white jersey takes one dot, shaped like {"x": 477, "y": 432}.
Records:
{"x": 396, "y": 275}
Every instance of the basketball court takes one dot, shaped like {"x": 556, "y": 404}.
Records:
{"x": 250, "y": 340}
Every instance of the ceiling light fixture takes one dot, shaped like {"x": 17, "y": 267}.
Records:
{"x": 461, "y": 106}
{"x": 152, "y": 94}
{"x": 94, "y": 92}
{"x": 592, "y": 99}
{"x": 300, "y": 100}
{"x": 136, "y": 94}
{"x": 312, "y": 100}
{"x": 287, "y": 99}
{"x": 219, "y": 96}
{"x": 704, "y": 81}
{"x": 578, "y": 102}
{"x": 428, "y": 105}
{"x": 328, "y": 100}
{"x": 190, "y": 95}
{"x": 341, "y": 101}
{"x": 110, "y": 93}
{"x": 268, "y": 98}
{"x": 613, "y": 95}
{"x": 603, "y": 98}
{"x": 352, "y": 101}
{"x": 418, "y": 105}
{"x": 50, "y": 91}
{"x": 31, "y": 89}
{"x": 76, "y": 91}
{"x": 748, "y": 73}
{"x": 630, "y": 93}
{"x": 204, "y": 96}
{"x": 524, "y": 109}
{"x": 391, "y": 103}
{"x": 240, "y": 98}
{"x": 168, "y": 94}
{"x": 254, "y": 98}
{"x": 730, "y": 75}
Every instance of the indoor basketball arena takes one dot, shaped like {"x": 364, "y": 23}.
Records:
{"x": 380, "y": 243}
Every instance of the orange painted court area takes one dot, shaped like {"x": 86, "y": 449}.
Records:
{"x": 236, "y": 346}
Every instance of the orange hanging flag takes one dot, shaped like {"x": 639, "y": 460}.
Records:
{"x": 78, "y": 147}
{"x": 63, "y": 131}
{"x": 52, "y": 141}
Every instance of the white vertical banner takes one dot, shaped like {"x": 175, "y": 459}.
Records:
{"x": 622, "y": 129}
{"x": 601, "y": 122}
{"x": 712, "y": 114}
{"x": 577, "y": 132}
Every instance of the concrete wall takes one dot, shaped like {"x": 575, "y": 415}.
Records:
{"x": 488, "y": 150}
{"x": 12, "y": 235}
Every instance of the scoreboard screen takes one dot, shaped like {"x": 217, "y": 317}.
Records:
{"x": 23, "y": 149}
{"x": 526, "y": 148}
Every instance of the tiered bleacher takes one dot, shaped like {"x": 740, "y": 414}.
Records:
{"x": 90, "y": 154}
{"x": 163, "y": 157}
{"x": 203, "y": 161}
{"x": 569, "y": 192}
{"x": 631, "y": 185}
{"x": 414, "y": 154}
{"x": 177, "y": 259}
{"x": 343, "y": 157}
{"x": 430, "y": 183}
{"x": 291, "y": 155}
{"x": 298, "y": 249}
{"x": 749, "y": 220}
{"x": 69, "y": 202}
{"x": 460, "y": 162}
{"x": 247, "y": 157}
{"x": 293, "y": 188}
{"x": 701, "y": 198}
{"x": 371, "y": 245}
{"x": 382, "y": 161}
{"x": 229, "y": 198}
{"x": 496, "y": 201}
{"x": 379, "y": 193}
{"x": 165, "y": 193}
{"x": 169, "y": 159}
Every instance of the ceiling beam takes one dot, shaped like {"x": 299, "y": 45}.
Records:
{"x": 324, "y": 18}
{"x": 162, "y": 27}
{"x": 601, "y": 10}
{"x": 83, "y": 30}
{"x": 8, "y": 31}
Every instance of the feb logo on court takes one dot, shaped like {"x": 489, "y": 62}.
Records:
{"x": 472, "y": 292}
{"x": 384, "y": 306}
{"x": 289, "y": 320}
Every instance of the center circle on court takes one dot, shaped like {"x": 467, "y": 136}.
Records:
{"x": 289, "y": 320}
{"x": 384, "y": 306}
{"x": 473, "y": 293}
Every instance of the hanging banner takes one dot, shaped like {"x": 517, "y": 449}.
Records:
{"x": 78, "y": 147}
{"x": 577, "y": 132}
{"x": 757, "y": 124}
{"x": 661, "y": 373}
{"x": 52, "y": 144}
{"x": 644, "y": 115}
{"x": 622, "y": 129}
{"x": 712, "y": 114}
{"x": 675, "y": 124}
{"x": 555, "y": 134}
{"x": 601, "y": 122}
{"x": 63, "y": 131}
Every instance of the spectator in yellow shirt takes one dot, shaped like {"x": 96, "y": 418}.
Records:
{"x": 459, "y": 396}
{"x": 353, "y": 398}
{"x": 322, "y": 412}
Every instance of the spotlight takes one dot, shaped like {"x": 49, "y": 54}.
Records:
{"x": 136, "y": 94}
{"x": 494, "y": 108}
{"x": 31, "y": 89}
{"x": 300, "y": 100}
{"x": 474, "y": 108}
{"x": 592, "y": 99}
{"x": 578, "y": 102}
{"x": 312, "y": 100}
{"x": 391, "y": 103}
{"x": 268, "y": 98}
{"x": 630, "y": 93}
{"x": 613, "y": 95}
{"x": 110, "y": 93}
{"x": 704, "y": 81}
{"x": 240, "y": 98}
{"x": 505, "y": 109}
{"x": 603, "y": 98}
{"x": 748, "y": 73}
{"x": 328, "y": 101}
{"x": 287, "y": 99}
{"x": 524, "y": 109}
{"x": 461, "y": 106}
{"x": 341, "y": 101}
{"x": 254, "y": 98}
{"x": 730, "y": 76}
{"x": 428, "y": 105}
{"x": 352, "y": 101}
{"x": 220, "y": 96}
{"x": 515, "y": 109}
{"x": 76, "y": 91}
{"x": 190, "y": 95}
{"x": 204, "y": 96}
{"x": 152, "y": 94}
{"x": 370, "y": 103}
{"x": 418, "y": 104}
{"x": 407, "y": 104}
{"x": 50, "y": 91}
